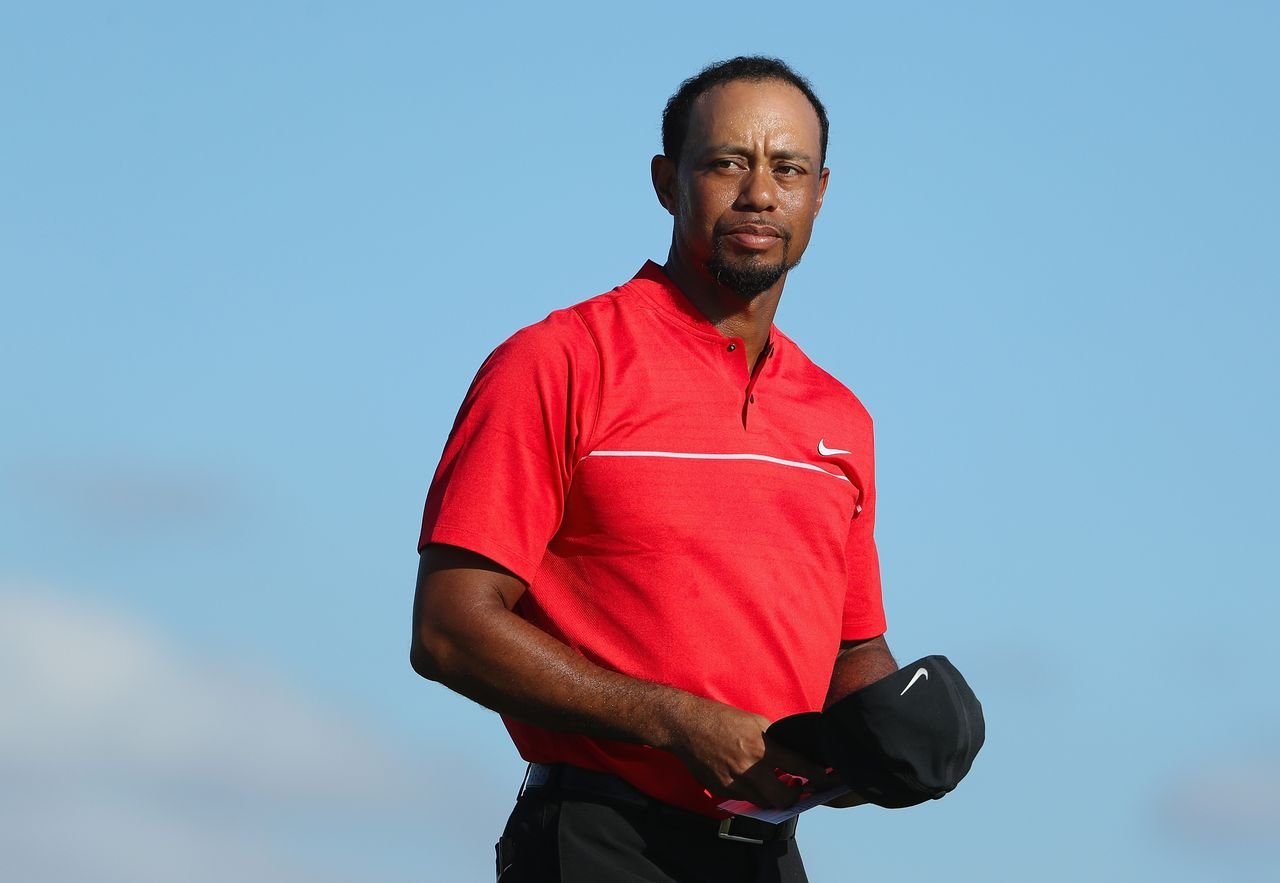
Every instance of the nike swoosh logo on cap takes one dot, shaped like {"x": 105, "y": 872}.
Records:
{"x": 915, "y": 677}
{"x": 829, "y": 452}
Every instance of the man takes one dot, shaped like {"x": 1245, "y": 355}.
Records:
{"x": 650, "y": 533}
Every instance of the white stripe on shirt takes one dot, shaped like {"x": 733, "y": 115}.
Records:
{"x": 678, "y": 455}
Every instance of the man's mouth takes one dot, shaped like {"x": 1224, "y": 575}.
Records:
{"x": 754, "y": 237}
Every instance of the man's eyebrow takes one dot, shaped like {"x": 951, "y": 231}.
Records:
{"x": 798, "y": 155}
{"x": 741, "y": 150}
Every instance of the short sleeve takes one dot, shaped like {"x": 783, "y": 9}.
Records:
{"x": 863, "y": 603}
{"x": 500, "y": 487}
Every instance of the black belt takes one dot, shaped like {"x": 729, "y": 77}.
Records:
{"x": 563, "y": 778}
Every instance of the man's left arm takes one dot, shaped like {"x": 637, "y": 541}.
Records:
{"x": 859, "y": 663}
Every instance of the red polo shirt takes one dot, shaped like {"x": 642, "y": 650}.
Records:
{"x": 676, "y": 518}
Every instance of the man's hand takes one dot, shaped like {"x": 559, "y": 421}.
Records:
{"x": 726, "y": 750}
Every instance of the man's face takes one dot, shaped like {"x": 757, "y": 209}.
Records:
{"x": 748, "y": 184}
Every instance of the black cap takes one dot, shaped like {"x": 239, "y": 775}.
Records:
{"x": 904, "y": 739}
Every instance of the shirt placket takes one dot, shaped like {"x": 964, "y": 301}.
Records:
{"x": 752, "y": 393}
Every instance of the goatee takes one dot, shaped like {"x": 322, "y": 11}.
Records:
{"x": 748, "y": 278}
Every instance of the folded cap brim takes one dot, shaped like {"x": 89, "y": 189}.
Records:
{"x": 802, "y": 733}
{"x": 904, "y": 739}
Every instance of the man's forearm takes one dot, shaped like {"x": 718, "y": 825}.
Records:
{"x": 467, "y": 637}
{"x": 858, "y": 664}
{"x": 501, "y": 661}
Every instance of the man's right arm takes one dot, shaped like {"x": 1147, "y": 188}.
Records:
{"x": 467, "y": 637}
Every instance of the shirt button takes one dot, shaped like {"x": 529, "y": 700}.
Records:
{"x": 732, "y": 347}
{"x": 753, "y": 400}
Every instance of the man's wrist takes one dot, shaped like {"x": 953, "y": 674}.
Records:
{"x": 671, "y": 707}
{"x": 664, "y": 722}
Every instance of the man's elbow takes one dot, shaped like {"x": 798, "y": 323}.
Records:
{"x": 428, "y": 654}
{"x": 422, "y": 662}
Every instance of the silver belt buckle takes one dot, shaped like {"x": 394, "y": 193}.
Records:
{"x": 724, "y": 834}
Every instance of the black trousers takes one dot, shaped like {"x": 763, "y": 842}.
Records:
{"x": 556, "y": 838}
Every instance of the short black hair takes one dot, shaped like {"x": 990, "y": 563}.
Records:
{"x": 675, "y": 118}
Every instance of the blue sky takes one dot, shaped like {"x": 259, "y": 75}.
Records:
{"x": 252, "y": 254}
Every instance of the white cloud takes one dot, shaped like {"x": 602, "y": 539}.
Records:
{"x": 1233, "y": 803}
{"x": 79, "y": 835}
{"x": 125, "y": 756}
{"x": 93, "y": 693}
{"x": 116, "y": 494}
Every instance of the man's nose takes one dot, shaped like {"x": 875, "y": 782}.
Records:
{"x": 759, "y": 192}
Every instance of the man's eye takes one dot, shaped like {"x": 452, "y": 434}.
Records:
{"x": 788, "y": 170}
{"x": 727, "y": 164}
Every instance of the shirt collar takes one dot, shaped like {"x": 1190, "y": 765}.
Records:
{"x": 657, "y": 287}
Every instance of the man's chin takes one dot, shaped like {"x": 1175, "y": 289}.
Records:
{"x": 748, "y": 279}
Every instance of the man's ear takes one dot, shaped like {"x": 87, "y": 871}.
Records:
{"x": 823, "y": 177}
{"x": 663, "y": 172}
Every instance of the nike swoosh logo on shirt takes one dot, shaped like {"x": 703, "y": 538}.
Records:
{"x": 915, "y": 677}
{"x": 829, "y": 452}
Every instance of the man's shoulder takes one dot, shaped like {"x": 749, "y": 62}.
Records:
{"x": 561, "y": 334}
{"x": 579, "y": 324}
{"x": 570, "y": 331}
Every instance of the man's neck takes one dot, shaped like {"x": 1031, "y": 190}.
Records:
{"x": 731, "y": 313}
